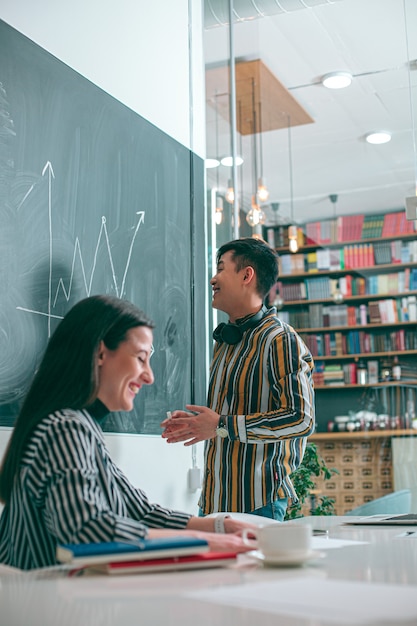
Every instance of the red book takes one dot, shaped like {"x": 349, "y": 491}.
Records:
{"x": 370, "y": 255}
{"x": 193, "y": 561}
{"x": 389, "y": 225}
{"x": 358, "y": 226}
{"x": 361, "y": 257}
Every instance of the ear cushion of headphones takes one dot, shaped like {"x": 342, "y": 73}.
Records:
{"x": 228, "y": 333}
{"x": 233, "y": 333}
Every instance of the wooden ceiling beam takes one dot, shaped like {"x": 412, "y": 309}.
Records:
{"x": 262, "y": 101}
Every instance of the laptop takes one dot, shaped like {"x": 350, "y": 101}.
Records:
{"x": 405, "y": 519}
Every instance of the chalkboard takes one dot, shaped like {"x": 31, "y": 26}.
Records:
{"x": 94, "y": 199}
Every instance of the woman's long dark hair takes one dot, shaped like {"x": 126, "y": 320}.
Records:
{"x": 67, "y": 376}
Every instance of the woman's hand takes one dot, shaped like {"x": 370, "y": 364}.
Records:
{"x": 231, "y": 539}
{"x": 203, "y": 528}
{"x": 220, "y": 542}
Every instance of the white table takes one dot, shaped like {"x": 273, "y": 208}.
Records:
{"x": 211, "y": 597}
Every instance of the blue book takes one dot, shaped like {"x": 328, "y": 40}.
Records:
{"x": 81, "y": 554}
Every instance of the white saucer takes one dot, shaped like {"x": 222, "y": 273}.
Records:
{"x": 286, "y": 560}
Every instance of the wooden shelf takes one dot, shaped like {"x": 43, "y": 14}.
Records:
{"x": 365, "y": 434}
{"x": 346, "y": 329}
{"x": 390, "y": 383}
{"x": 340, "y": 244}
{"x": 357, "y": 298}
{"x": 364, "y": 355}
{"x": 391, "y": 267}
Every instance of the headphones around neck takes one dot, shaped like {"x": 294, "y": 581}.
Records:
{"x": 232, "y": 333}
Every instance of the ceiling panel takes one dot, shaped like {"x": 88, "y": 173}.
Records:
{"x": 373, "y": 40}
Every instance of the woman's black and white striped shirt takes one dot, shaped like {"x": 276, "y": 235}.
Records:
{"x": 69, "y": 490}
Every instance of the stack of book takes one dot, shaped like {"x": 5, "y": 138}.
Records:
{"x": 148, "y": 555}
{"x": 333, "y": 375}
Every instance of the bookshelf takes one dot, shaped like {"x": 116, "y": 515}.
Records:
{"x": 350, "y": 291}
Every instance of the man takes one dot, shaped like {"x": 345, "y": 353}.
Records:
{"x": 260, "y": 393}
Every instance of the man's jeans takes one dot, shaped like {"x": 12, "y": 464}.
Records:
{"x": 276, "y": 510}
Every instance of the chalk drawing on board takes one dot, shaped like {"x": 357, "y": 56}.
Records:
{"x": 78, "y": 254}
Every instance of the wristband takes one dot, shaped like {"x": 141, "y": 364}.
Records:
{"x": 219, "y": 522}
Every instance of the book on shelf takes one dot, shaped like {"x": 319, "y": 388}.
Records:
{"x": 270, "y": 237}
{"x": 292, "y": 291}
{"x": 383, "y": 253}
{"x": 291, "y": 264}
{"x": 396, "y": 223}
{"x": 323, "y": 259}
{"x": 350, "y": 228}
{"x": 193, "y": 561}
{"x": 388, "y": 311}
{"x": 413, "y": 280}
{"x": 373, "y": 371}
{"x": 400, "y": 252}
{"x": 372, "y": 227}
{"x": 81, "y": 554}
{"x": 412, "y": 308}
{"x": 374, "y": 312}
{"x": 312, "y": 261}
{"x": 325, "y": 231}
{"x": 389, "y": 227}
{"x": 277, "y": 236}
{"x": 333, "y": 375}
{"x": 345, "y": 285}
{"x": 285, "y": 264}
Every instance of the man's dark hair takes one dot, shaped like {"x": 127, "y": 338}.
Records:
{"x": 257, "y": 254}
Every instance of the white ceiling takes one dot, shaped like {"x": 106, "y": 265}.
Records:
{"x": 372, "y": 39}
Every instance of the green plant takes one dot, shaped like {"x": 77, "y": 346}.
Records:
{"x": 313, "y": 465}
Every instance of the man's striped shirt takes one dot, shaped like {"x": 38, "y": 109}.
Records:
{"x": 263, "y": 385}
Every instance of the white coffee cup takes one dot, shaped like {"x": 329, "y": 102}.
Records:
{"x": 288, "y": 540}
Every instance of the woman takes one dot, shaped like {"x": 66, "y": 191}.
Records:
{"x": 58, "y": 481}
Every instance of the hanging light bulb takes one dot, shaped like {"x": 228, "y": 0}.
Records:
{"x": 263, "y": 193}
{"x": 255, "y": 215}
{"x": 230, "y": 192}
{"x": 293, "y": 238}
{"x": 337, "y": 295}
{"x": 218, "y": 213}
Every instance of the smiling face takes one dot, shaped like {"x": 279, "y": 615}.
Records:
{"x": 232, "y": 287}
{"x": 123, "y": 371}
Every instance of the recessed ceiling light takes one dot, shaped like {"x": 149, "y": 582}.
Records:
{"x": 210, "y": 163}
{"x": 228, "y": 161}
{"x": 379, "y": 136}
{"x": 336, "y": 80}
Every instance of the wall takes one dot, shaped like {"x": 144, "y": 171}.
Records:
{"x": 121, "y": 47}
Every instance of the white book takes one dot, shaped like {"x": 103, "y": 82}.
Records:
{"x": 412, "y": 308}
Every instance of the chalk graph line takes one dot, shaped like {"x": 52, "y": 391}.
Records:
{"x": 48, "y": 170}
